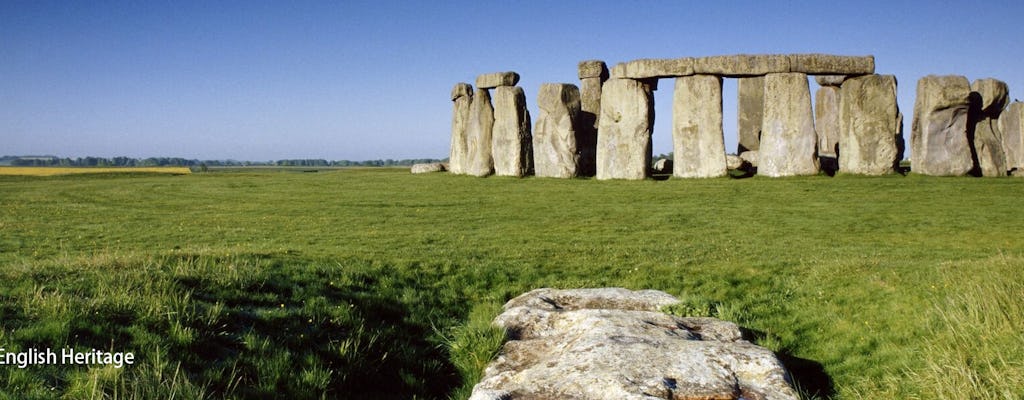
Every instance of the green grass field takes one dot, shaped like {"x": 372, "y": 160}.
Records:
{"x": 374, "y": 283}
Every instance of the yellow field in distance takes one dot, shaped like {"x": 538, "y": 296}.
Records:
{"x": 50, "y": 171}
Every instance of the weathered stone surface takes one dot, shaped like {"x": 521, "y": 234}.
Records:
{"x": 611, "y": 344}
{"x": 869, "y": 126}
{"x": 458, "y": 157}
{"x": 827, "y": 64}
{"x": 826, "y": 120}
{"x": 427, "y": 168}
{"x": 733, "y": 161}
{"x": 750, "y": 112}
{"x": 496, "y": 79}
{"x": 478, "y": 134}
{"x": 593, "y": 69}
{"x": 938, "y": 136}
{"x": 590, "y": 111}
{"x": 830, "y": 80}
{"x": 1012, "y": 127}
{"x": 988, "y": 98}
{"x": 653, "y": 68}
{"x": 788, "y": 139}
{"x": 750, "y": 157}
{"x": 462, "y": 89}
{"x": 662, "y": 166}
{"x": 511, "y": 142}
{"x": 555, "y": 146}
{"x": 698, "y": 143}
{"x": 624, "y": 142}
{"x": 741, "y": 65}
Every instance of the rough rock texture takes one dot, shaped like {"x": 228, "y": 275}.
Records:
{"x": 826, "y": 120}
{"x": 612, "y": 344}
{"x": 788, "y": 139}
{"x": 427, "y": 167}
{"x": 938, "y": 137}
{"x": 1011, "y": 124}
{"x": 988, "y": 98}
{"x": 653, "y": 68}
{"x": 697, "y": 139}
{"x": 750, "y": 157}
{"x": 496, "y": 79}
{"x": 733, "y": 161}
{"x": 750, "y": 112}
{"x": 745, "y": 65}
{"x": 511, "y": 142}
{"x": 741, "y": 65}
{"x": 624, "y": 142}
{"x": 830, "y": 80}
{"x": 592, "y": 74}
{"x": 869, "y": 126}
{"x": 478, "y": 135}
{"x": 458, "y": 158}
{"x": 662, "y": 166}
{"x": 556, "y": 152}
{"x": 592, "y": 69}
{"x": 827, "y": 64}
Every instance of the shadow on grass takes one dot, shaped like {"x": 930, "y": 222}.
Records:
{"x": 809, "y": 376}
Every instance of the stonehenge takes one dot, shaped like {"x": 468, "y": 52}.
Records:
{"x": 603, "y": 126}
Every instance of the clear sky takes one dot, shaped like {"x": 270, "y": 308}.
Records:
{"x": 253, "y": 80}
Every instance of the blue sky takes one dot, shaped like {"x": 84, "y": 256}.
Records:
{"x": 359, "y": 80}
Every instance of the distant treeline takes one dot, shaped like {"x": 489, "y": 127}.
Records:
{"x": 51, "y": 161}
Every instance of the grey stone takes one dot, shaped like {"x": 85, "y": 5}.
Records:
{"x": 1012, "y": 127}
{"x": 733, "y": 161}
{"x": 826, "y": 120}
{"x": 624, "y": 141}
{"x": 653, "y": 68}
{"x": 869, "y": 126}
{"x": 830, "y": 80}
{"x": 988, "y": 98}
{"x": 827, "y": 64}
{"x": 496, "y": 79}
{"x": 478, "y": 133}
{"x": 593, "y": 69}
{"x": 788, "y": 139}
{"x": 662, "y": 166}
{"x": 750, "y": 157}
{"x": 697, "y": 140}
{"x": 750, "y": 112}
{"x": 938, "y": 136}
{"x": 511, "y": 142}
{"x": 458, "y": 158}
{"x": 427, "y": 168}
{"x": 612, "y": 344}
{"x": 741, "y": 65}
{"x": 555, "y": 147}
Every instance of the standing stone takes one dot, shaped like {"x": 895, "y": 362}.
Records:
{"x": 511, "y": 144}
{"x": 478, "y": 133}
{"x": 697, "y": 139}
{"x": 458, "y": 158}
{"x": 556, "y": 153}
{"x": 750, "y": 112}
{"x": 988, "y": 97}
{"x": 826, "y": 120}
{"x": 627, "y": 117}
{"x": 938, "y": 136}
{"x": 869, "y": 126}
{"x": 592, "y": 74}
{"x": 1012, "y": 127}
{"x": 788, "y": 139}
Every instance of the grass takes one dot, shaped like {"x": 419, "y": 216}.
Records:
{"x": 380, "y": 284}
{"x": 51, "y": 171}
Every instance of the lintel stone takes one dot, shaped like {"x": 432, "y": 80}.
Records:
{"x": 593, "y": 69}
{"x": 493, "y": 80}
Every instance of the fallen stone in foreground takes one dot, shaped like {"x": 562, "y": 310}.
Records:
{"x": 612, "y": 344}
{"x": 427, "y": 168}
